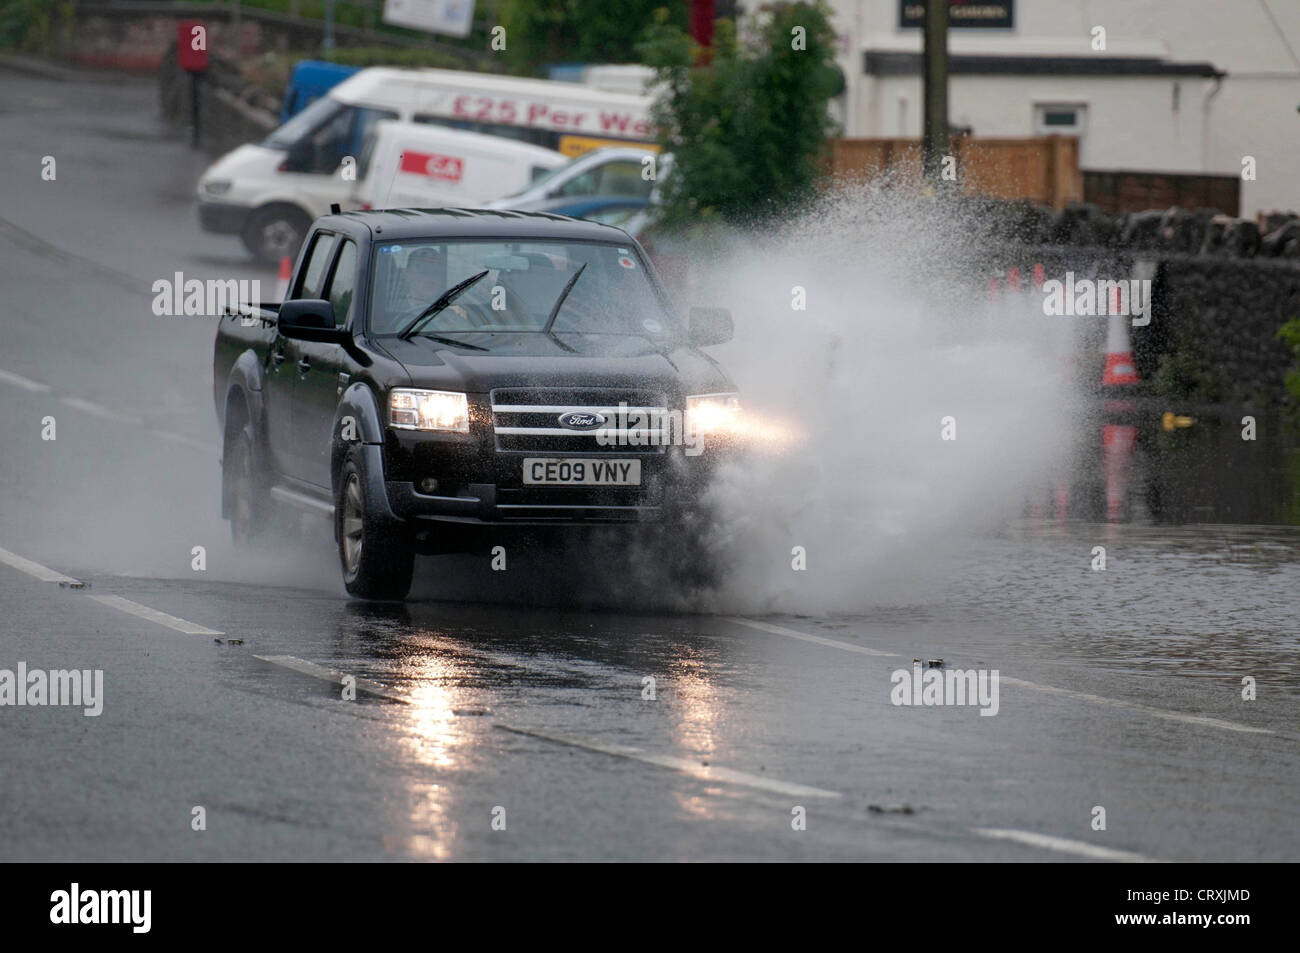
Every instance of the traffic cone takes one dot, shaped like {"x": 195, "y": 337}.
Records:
{"x": 282, "y": 283}
{"x": 1039, "y": 276}
{"x": 995, "y": 287}
{"x": 1013, "y": 278}
{"x": 1120, "y": 369}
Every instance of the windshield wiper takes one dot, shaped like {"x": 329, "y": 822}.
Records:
{"x": 442, "y": 340}
{"x": 442, "y": 302}
{"x": 559, "y": 302}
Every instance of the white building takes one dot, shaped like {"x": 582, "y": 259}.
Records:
{"x": 1182, "y": 86}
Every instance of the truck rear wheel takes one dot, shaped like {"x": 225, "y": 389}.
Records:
{"x": 377, "y": 561}
{"x": 243, "y": 487}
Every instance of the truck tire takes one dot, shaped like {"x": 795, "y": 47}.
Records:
{"x": 377, "y": 560}
{"x": 275, "y": 231}
{"x": 244, "y": 486}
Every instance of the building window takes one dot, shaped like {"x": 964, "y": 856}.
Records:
{"x": 1062, "y": 119}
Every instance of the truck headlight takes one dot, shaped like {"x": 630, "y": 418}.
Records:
{"x": 713, "y": 413}
{"x": 413, "y": 409}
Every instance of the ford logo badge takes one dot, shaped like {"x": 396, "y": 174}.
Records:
{"x": 574, "y": 420}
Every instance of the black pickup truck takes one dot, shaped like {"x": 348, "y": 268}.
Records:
{"x": 436, "y": 375}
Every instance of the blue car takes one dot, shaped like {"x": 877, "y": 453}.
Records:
{"x": 606, "y": 209}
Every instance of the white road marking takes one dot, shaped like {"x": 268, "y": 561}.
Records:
{"x": 329, "y": 675}
{"x": 1020, "y": 683}
{"x": 19, "y": 381}
{"x": 36, "y": 570}
{"x": 181, "y": 438}
{"x": 153, "y": 615}
{"x": 95, "y": 410}
{"x": 819, "y": 640}
{"x": 693, "y": 768}
{"x": 1134, "y": 706}
{"x": 1065, "y": 846}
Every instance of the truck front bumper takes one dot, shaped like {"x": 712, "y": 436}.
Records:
{"x": 487, "y": 505}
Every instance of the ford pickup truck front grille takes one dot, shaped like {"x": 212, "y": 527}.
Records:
{"x": 528, "y": 420}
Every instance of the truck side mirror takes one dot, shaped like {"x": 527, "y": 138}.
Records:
{"x": 710, "y": 326}
{"x": 310, "y": 319}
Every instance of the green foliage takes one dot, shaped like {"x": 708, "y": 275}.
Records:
{"x": 580, "y": 31}
{"x": 747, "y": 129}
{"x": 348, "y": 13}
{"x": 390, "y": 56}
{"x": 1289, "y": 334}
{"x": 32, "y": 26}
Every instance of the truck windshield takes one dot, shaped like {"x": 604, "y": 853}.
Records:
{"x": 525, "y": 279}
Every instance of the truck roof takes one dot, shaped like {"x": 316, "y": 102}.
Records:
{"x": 414, "y": 223}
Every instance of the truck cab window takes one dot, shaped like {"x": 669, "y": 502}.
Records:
{"x": 343, "y": 283}
{"x": 313, "y": 278}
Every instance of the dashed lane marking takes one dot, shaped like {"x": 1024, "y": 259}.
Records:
{"x": 804, "y": 637}
{"x": 693, "y": 768}
{"x": 153, "y": 615}
{"x": 19, "y": 381}
{"x": 329, "y": 675}
{"x": 1164, "y": 713}
{"x": 35, "y": 570}
{"x": 1064, "y": 845}
{"x": 95, "y": 410}
{"x": 1134, "y": 706}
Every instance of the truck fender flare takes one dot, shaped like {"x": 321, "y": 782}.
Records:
{"x": 245, "y": 379}
{"x": 357, "y": 420}
{"x": 243, "y": 385}
{"x": 358, "y": 417}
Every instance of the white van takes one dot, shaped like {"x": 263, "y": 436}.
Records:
{"x": 269, "y": 193}
{"x": 615, "y": 172}
{"x": 410, "y": 165}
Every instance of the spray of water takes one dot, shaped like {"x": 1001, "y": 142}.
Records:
{"x": 898, "y": 344}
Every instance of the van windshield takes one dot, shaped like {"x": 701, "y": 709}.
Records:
{"x": 524, "y": 280}
{"x": 304, "y": 123}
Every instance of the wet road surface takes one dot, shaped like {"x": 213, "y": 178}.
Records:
{"x": 487, "y": 700}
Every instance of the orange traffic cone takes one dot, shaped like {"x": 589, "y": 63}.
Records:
{"x": 282, "y": 283}
{"x": 1120, "y": 369}
{"x": 1013, "y": 278}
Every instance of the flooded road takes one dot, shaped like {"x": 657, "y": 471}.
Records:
{"x": 502, "y": 716}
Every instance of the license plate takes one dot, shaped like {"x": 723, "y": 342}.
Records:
{"x": 554, "y": 471}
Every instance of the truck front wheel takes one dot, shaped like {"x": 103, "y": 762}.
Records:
{"x": 377, "y": 560}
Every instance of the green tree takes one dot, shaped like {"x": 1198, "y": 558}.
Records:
{"x": 581, "y": 31}
{"x": 746, "y": 121}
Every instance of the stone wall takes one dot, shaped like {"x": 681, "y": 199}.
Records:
{"x": 1223, "y": 288}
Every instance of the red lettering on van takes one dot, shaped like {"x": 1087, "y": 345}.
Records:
{"x": 444, "y": 168}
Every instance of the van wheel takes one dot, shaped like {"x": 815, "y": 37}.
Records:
{"x": 274, "y": 232}
{"x": 243, "y": 487}
{"x": 377, "y": 561}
